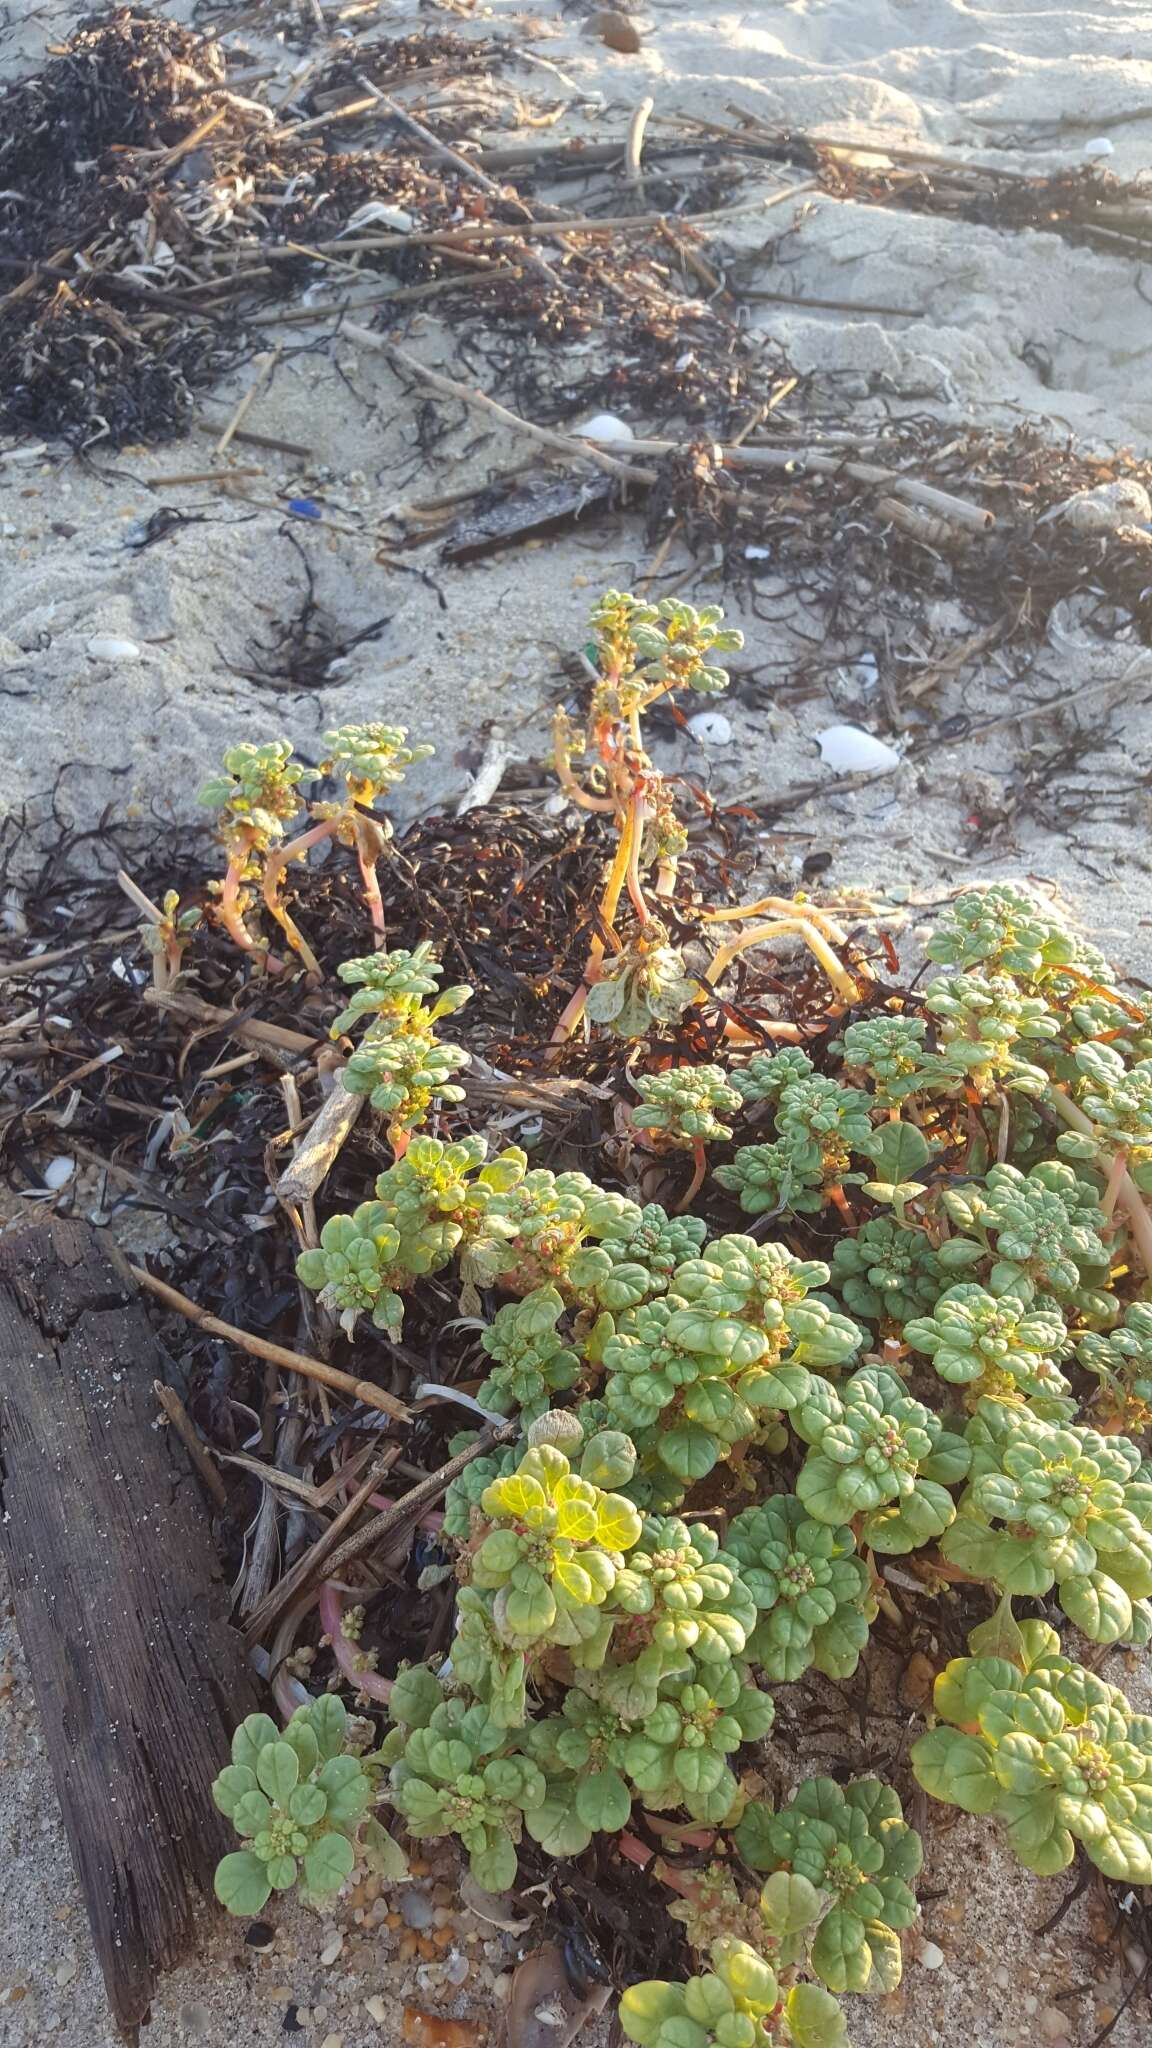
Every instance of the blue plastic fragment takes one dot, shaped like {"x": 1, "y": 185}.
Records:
{"x": 305, "y": 508}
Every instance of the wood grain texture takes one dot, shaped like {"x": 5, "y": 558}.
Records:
{"x": 138, "y": 1677}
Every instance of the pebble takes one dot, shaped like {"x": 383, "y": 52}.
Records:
{"x": 67, "y": 1966}
{"x": 332, "y": 1949}
{"x": 931, "y": 1957}
{"x": 614, "y": 30}
{"x": 711, "y": 728}
{"x": 57, "y": 1174}
{"x": 416, "y": 1908}
{"x": 849, "y": 750}
{"x": 1054, "y": 2024}
{"x": 457, "y": 1968}
{"x": 376, "y": 2009}
{"x": 195, "y": 2020}
{"x": 107, "y": 647}
{"x": 332, "y": 2041}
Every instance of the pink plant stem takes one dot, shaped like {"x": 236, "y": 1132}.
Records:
{"x": 370, "y": 880}
{"x": 635, "y": 889}
{"x": 232, "y": 921}
{"x": 693, "y": 1187}
{"x": 346, "y": 1654}
{"x": 274, "y": 867}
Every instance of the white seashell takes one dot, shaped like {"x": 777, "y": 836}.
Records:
{"x": 931, "y": 1957}
{"x": 757, "y": 554}
{"x": 1099, "y": 146}
{"x": 58, "y": 1172}
{"x": 849, "y": 750}
{"x": 106, "y": 647}
{"x": 604, "y": 426}
{"x": 711, "y": 728}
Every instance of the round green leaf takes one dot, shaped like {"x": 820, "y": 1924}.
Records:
{"x": 242, "y": 1884}
{"x": 278, "y": 1770}
{"x": 307, "y": 1805}
{"x": 328, "y": 1862}
{"x": 251, "y": 1737}
{"x": 234, "y": 1782}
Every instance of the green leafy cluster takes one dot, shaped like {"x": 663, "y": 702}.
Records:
{"x": 1029, "y": 1233}
{"x": 738, "y": 2004}
{"x": 878, "y": 1454}
{"x": 371, "y": 758}
{"x": 1058, "y": 1505}
{"x": 1122, "y": 1362}
{"x": 819, "y": 1124}
{"x": 452, "y": 1777}
{"x": 888, "y": 1272}
{"x": 399, "y": 1063}
{"x": 257, "y": 794}
{"x": 1004, "y": 932}
{"x": 979, "y": 1021}
{"x": 889, "y": 1051}
{"x": 1050, "y": 1750}
{"x": 856, "y": 1856}
{"x": 297, "y": 1800}
{"x": 532, "y": 1359}
{"x": 812, "y": 1591}
{"x": 684, "y": 1105}
{"x": 993, "y": 1345}
{"x": 643, "y": 985}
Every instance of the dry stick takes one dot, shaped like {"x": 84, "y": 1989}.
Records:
{"x": 405, "y": 294}
{"x": 265, "y": 364}
{"x": 634, "y": 146}
{"x": 276, "y": 1354}
{"x": 498, "y": 231}
{"x": 316, "y": 1153}
{"x": 21, "y": 970}
{"x": 421, "y": 1496}
{"x": 960, "y": 510}
{"x": 181, "y": 1422}
{"x": 249, "y": 1030}
{"x": 479, "y": 400}
{"x": 313, "y": 1564}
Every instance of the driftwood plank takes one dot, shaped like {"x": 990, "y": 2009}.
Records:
{"x": 138, "y": 1677}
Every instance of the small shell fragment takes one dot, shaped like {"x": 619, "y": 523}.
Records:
{"x": 107, "y": 647}
{"x": 711, "y": 729}
{"x": 604, "y": 426}
{"x": 849, "y": 750}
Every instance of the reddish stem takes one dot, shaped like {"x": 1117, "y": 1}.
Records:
{"x": 346, "y": 1653}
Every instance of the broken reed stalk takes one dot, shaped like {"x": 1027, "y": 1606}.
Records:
{"x": 249, "y": 1030}
{"x": 480, "y": 402}
{"x": 314, "y": 1563}
{"x": 960, "y": 511}
{"x": 276, "y": 1354}
{"x": 316, "y": 1153}
{"x": 413, "y": 1503}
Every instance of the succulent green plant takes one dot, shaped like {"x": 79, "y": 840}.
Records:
{"x": 1118, "y": 1098}
{"x": 258, "y": 793}
{"x": 1030, "y": 1233}
{"x": 764, "y": 1076}
{"x": 679, "y": 1756}
{"x": 371, "y": 758}
{"x": 1005, "y": 932}
{"x": 889, "y": 1050}
{"x": 813, "y": 1593}
{"x": 1122, "y": 1362}
{"x": 636, "y": 1257}
{"x": 1058, "y": 1505}
{"x": 532, "y": 1359}
{"x": 853, "y": 1846}
{"x": 739, "y": 2003}
{"x": 644, "y": 984}
{"x": 1050, "y": 1750}
{"x": 296, "y": 1799}
{"x": 993, "y": 1345}
{"x": 451, "y": 1777}
{"x": 819, "y": 1124}
{"x": 888, "y": 1272}
{"x": 768, "y": 1287}
{"x": 684, "y": 1105}
{"x": 556, "y": 1544}
{"x": 683, "y": 1606}
{"x": 353, "y": 1266}
{"x": 878, "y": 1454}
{"x": 980, "y": 1020}
{"x": 680, "y": 1365}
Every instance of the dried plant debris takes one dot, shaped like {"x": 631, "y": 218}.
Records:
{"x": 149, "y": 214}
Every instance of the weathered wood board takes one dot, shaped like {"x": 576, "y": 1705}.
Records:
{"x": 138, "y": 1677}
